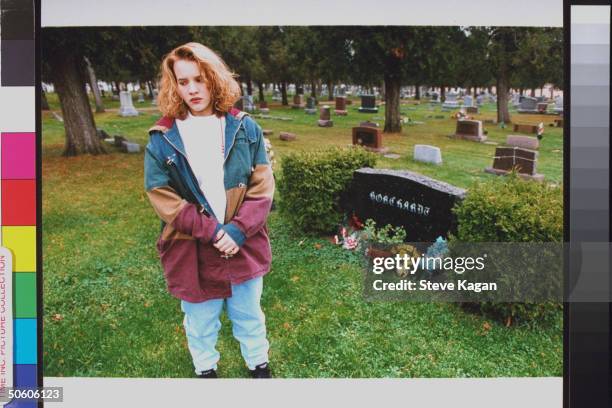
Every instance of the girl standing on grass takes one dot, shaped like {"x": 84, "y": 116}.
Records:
{"x": 209, "y": 180}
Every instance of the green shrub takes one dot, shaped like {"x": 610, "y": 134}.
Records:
{"x": 509, "y": 209}
{"x": 311, "y": 183}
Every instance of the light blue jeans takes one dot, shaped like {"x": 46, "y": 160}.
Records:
{"x": 202, "y": 326}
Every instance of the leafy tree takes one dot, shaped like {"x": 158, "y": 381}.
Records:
{"x": 382, "y": 53}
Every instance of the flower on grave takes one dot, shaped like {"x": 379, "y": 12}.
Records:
{"x": 540, "y": 132}
{"x": 351, "y": 242}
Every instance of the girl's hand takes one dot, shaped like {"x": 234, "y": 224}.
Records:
{"x": 224, "y": 243}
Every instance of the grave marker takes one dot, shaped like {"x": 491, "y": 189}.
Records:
{"x": 528, "y": 105}
{"x": 525, "y": 142}
{"x": 524, "y": 161}
{"x": 368, "y": 104}
{"x": 370, "y": 138}
{"x": 298, "y": 101}
{"x": 340, "y": 109}
{"x": 419, "y": 204}
{"x": 470, "y": 130}
{"x": 325, "y": 117}
{"x": 127, "y": 106}
{"x": 287, "y": 137}
{"x": 427, "y": 154}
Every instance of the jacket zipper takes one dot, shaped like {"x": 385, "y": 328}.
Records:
{"x": 187, "y": 160}
{"x": 188, "y": 165}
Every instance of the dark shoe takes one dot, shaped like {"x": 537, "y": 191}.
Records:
{"x": 208, "y": 374}
{"x": 261, "y": 371}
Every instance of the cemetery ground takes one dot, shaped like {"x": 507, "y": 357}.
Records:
{"x": 107, "y": 311}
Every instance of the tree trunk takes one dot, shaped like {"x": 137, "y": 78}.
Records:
{"x": 285, "y": 101}
{"x": 44, "y": 104}
{"x": 260, "y": 87}
{"x": 417, "y": 92}
{"x": 313, "y": 89}
{"x": 249, "y": 84}
{"x": 503, "y": 114}
{"x": 521, "y": 90}
{"x": 93, "y": 83}
{"x": 393, "y": 123}
{"x": 442, "y": 93}
{"x": 150, "y": 89}
{"x": 330, "y": 90}
{"x": 552, "y": 92}
{"x": 69, "y": 82}
{"x": 532, "y": 92}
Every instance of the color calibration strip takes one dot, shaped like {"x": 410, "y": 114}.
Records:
{"x": 18, "y": 227}
{"x": 588, "y": 317}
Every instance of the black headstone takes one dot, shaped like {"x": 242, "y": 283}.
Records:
{"x": 418, "y": 203}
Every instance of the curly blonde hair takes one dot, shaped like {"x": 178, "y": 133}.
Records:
{"x": 221, "y": 82}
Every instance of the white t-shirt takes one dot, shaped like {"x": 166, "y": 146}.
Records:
{"x": 203, "y": 138}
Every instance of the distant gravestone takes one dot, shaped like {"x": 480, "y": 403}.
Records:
{"x": 479, "y": 100}
{"x": 140, "y": 97}
{"x": 427, "y": 154}
{"x": 154, "y": 100}
{"x": 370, "y": 138}
{"x": 129, "y": 147}
{"x": 525, "y": 128}
{"x": 298, "y": 101}
{"x": 102, "y": 134}
{"x": 369, "y": 124}
{"x": 287, "y": 137}
{"x": 471, "y": 109}
{"x": 435, "y": 98}
{"x": 558, "y": 105}
{"x": 523, "y": 161}
{"x": 542, "y": 107}
{"x": 525, "y": 142}
{"x": 310, "y": 106}
{"x": 468, "y": 101}
{"x": 470, "y": 130}
{"x": 127, "y": 106}
{"x": 263, "y": 107}
{"x": 340, "y": 109}
{"x": 325, "y": 117}
{"x": 368, "y": 104}
{"x": 118, "y": 140}
{"x": 528, "y": 105}
{"x": 268, "y": 132}
{"x": 419, "y": 204}
{"x": 451, "y": 101}
{"x": 276, "y": 95}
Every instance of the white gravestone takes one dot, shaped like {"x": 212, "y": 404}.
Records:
{"x": 127, "y": 106}
{"x": 427, "y": 154}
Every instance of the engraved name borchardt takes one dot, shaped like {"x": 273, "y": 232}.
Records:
{"x": 402, "y": 204}
{"x": 419, "y": 204}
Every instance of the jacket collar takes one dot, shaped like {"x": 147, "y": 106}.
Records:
{"x": 233, "y": 120}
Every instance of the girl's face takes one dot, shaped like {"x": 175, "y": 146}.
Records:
{"x": 192, "y": 87}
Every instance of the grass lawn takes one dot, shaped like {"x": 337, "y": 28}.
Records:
{"x": 107, "y": 312}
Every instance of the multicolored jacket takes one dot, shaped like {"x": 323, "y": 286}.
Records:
{"x": 193, "y": 267}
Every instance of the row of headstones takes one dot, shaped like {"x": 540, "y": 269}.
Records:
{"x": 527, "y": 104}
